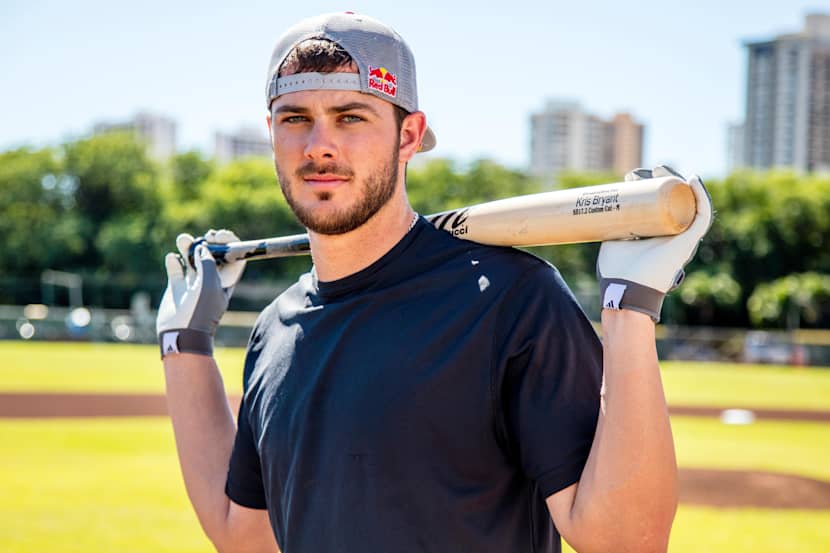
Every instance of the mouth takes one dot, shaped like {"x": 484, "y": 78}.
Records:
{"x": 325, "y": 180}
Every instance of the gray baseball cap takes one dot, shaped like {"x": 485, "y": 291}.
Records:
{"x": 386, "y": 67}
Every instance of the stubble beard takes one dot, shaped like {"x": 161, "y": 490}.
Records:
{"x": 375, "y": 191}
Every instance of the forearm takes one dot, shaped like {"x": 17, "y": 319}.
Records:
{"x": 204, "y": 429}
{"x": 627, "y": 495}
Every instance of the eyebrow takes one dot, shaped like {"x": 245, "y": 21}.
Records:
{"x": 351, "y": 106}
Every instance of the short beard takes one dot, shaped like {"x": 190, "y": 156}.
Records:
{"x": 377, "y": 189}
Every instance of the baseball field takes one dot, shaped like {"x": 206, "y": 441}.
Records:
{"x": 89, "y": 462}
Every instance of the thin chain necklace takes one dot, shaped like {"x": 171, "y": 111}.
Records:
{"x": 412, "y": 224}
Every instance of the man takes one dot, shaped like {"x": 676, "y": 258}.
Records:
{"x": 415, "y": 392}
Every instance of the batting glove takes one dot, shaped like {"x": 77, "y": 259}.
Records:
{"x": 637, "y": 274}
{"x": 197, "y": 295}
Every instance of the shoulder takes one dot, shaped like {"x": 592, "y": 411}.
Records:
{"x": 518, "y": 269}
{"x": 443, "y": 247}
{"x": 291, "y": 299}
{"x": 272, "y": 316}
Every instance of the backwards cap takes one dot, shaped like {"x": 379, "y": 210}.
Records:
{"x": 386, "y": 67}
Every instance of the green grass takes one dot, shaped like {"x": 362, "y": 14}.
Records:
{"x": 801, "y": 448}
{"x": 697, "y": 529}
{"x": 105, "y": 485}
{"x": 93, "y": 485}
{"x": 729, "y": 384}
{"x": 100, "y": 485}
{"x": 84, "y": 367}
{"x": 778, "y": 446}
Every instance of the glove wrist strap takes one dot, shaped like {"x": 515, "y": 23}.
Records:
{"x": 617, "y": 293}
{"x": 185, "y": 340}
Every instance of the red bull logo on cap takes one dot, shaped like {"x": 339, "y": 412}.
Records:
{"x": 382, "y": 80}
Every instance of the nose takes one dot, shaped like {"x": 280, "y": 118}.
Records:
{"x": 320, "y": 143}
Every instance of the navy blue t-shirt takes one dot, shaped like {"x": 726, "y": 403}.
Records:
{"x": 430, "y": 402}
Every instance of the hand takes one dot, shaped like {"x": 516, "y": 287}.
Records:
{"x": 196, "y": 296}
{"x": 637, "y": 274}
{"x": 229, "y": 272}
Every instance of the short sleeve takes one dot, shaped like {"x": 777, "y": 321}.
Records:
{"x": 549, "y": 372}
{"x": 244, "y": 481}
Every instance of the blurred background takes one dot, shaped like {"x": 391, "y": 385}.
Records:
{"x": 122, "y": 125}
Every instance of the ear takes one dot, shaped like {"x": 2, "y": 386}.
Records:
{"x": 270, "y": 135}
{"x": 413, "y": 128}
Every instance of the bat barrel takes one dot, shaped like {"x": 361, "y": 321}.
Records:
{"x": 638, "y": 209}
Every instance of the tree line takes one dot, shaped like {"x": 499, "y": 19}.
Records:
{"x": 101, "y": 208}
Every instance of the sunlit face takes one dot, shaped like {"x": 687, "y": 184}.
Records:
{"x": 337, "y": 156}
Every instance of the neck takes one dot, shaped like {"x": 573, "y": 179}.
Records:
{"x": 341, "y": 255}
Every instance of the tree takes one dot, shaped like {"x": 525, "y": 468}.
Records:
{"x": 708, "y": 296}
{"x": 38, "y": 223}
{"x": 439, "y": 184}
{"x": 114, "y": 176}
{"x": 767, "y": 225}
{"x": 118, "y": 199}
{"x": 101, "y": 207}
{"x": 190, "y": 170}
{"x": 792, "y": 301}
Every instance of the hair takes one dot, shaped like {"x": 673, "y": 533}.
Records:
{"x": 321, "y": 55}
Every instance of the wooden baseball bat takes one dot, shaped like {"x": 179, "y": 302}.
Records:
{"x": 623, "y": 210}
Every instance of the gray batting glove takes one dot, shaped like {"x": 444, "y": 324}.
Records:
{"x": 637, "y": 274}
{"x": 196, "y": 296}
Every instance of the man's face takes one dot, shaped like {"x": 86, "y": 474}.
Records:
{"x": 336, "y": 156}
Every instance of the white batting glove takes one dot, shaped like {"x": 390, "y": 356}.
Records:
{"x": 637, "y": 274}
{"x": 196, "y": 296}
{"x": 229, "y": 273}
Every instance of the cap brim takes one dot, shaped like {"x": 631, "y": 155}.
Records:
{"x": 428, "y": 142}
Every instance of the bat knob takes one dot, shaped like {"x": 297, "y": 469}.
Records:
{"x": 218, "y": 251}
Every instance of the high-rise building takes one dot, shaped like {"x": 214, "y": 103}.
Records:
{"x": 787, "y": 120}
{"x": 243, "y": 143}
{"x": 565, "y": 137}
{"x": 735, "y": 151}
{"x": 156, "y": 131}
{"x": 627, "y": 151}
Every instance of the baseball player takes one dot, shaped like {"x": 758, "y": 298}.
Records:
{"x": 413, "y": 391}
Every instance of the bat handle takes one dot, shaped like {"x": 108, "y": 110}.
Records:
{"x": 284, "y": 246}
{"x": 218, "y": 251}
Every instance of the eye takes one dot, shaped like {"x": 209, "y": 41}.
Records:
{"x": 294, "y": 119}
{"x": 351, "y": 118}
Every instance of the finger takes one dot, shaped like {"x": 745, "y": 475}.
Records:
{"x": 174, "y": 267}
{"x": 208, "y": 271}
{"x": 665, "y": 171}
{"x": 638, "y": 174}
{"x": 183, "y": 243}
{"x": 225, "y": 236}
{"x": 703, "y": 216}
{"x": 194, "y": 277}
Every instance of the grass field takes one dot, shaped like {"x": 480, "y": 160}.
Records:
{"x": 67, "y": 367}
{"x": 101, "y": 485}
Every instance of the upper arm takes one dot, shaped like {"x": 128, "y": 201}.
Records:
{"x": 548, "y": 372}
{"x": 560, "y": 506}
{"x": 248, "y": 531}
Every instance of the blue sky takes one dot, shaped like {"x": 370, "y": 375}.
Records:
{"x": 679, "y": 67}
